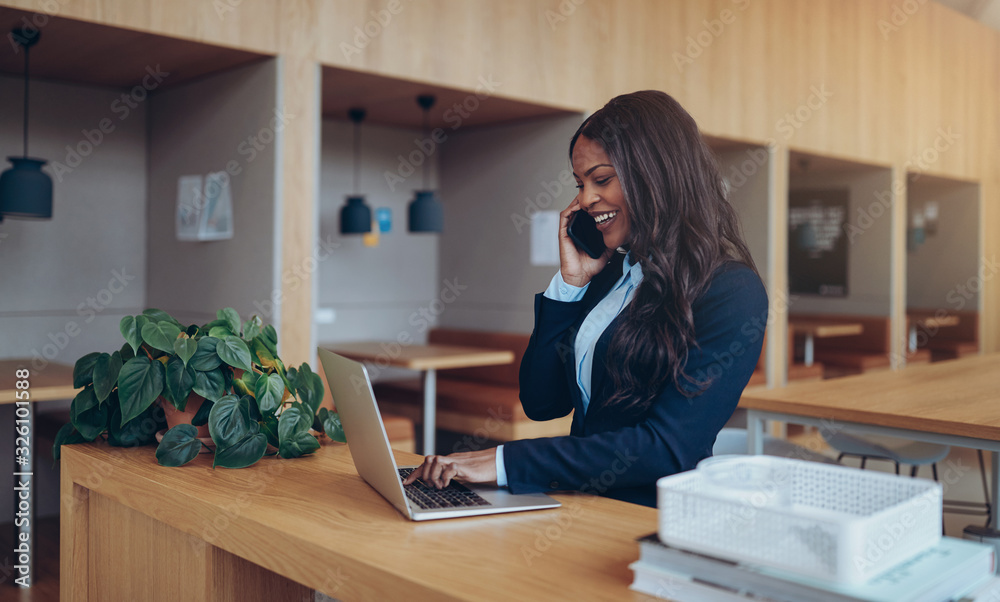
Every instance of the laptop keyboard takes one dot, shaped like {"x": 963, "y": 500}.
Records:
{"x": 455, "y": 495}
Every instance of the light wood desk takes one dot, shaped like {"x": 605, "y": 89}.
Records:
{"x": 133, "y": 530}
{"x": 812, "y": 330}
{"x": 952, "y": 403}
{"x": 54, "y": 382}
{"x": 428, "y": 359}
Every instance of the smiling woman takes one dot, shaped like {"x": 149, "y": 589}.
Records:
{"x": 649, "y": 346}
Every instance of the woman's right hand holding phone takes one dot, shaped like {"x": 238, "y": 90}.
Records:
{"x": 576, "y": 266}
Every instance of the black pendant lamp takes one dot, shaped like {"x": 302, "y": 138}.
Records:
{"x": 25, "y": 190}
{"x": 426, "y": 214}
{"x": 356, "y": 216}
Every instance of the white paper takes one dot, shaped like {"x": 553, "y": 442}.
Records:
{"x": 217, "y": 217}
{"x": 545, "y": 238}
{"x": 204, "y": 207}
{"x": 189, "y": 202}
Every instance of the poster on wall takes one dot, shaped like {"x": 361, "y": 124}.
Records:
{"x": 204, "y": 207}
{"x": 817, "y": 244}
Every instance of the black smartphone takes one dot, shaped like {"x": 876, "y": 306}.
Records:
{"x": 585, "y": 235}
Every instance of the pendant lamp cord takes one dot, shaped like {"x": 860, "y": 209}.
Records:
{"x": 357, "y": 157}
{"x": 27, "y": 50}
{"x": 427, "y": 161}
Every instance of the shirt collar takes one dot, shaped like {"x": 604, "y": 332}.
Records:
{"x": 634, "y": 270}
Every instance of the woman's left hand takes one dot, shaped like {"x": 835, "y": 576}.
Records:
{"x": 473, "y": 467}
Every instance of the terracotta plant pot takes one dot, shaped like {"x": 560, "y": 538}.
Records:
{"x": 175, "y": 416}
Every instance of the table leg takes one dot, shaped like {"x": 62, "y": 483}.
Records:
{"x": 809, "y": 349}
{"x": 913, "y": 338}
{"x": 24, "y": 507}
{"x": 994, "y": 487}
{"x": 755, "y": 433}
{"x": 430, "y": 403}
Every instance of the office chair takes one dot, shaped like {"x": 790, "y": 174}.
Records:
{"x": 902, "y": 451}
{"x": 734, "y": 441}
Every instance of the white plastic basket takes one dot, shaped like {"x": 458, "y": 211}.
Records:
{"x": 829, "y": 522}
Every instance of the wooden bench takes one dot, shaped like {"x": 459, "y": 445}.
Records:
{"x": 947, "y": 342}
{"x": 482, "y": 401}
{"x": 856, "y": 354}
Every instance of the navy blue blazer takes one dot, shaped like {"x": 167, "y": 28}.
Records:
{"x": 607, "y": 451}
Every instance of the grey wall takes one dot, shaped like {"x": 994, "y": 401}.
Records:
{"x": 219, "y": 122}
{"x": 378, "y": 292}
{"x": 748, "y": 192}
{"x": 948, "y": 258}
{"x": 61, "y": 295}
{"x": 493, "y": 179}
{"x": 868, "y": 255}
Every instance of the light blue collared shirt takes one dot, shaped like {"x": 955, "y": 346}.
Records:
{"x": 596, "y": 322}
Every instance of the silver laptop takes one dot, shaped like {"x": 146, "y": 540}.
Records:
{"x": 355, "y": 401}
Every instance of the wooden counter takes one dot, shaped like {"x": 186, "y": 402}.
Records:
{"x": 132, "y": 529}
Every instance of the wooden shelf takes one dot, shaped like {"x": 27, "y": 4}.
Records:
{"x": 88, "y": 53}
{"x": 393, "y": 101}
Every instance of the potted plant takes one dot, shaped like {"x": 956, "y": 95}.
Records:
{"x": 224, "y": 375}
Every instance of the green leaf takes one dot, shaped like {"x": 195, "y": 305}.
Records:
{"x": 180, "y": 381}
{"x": 185, "y": 348}
{"x": 297, "y": 445}
{"x": 179, "y": 446}
{"x": 263, "y": 355}
{"x": 232, "y": 318}
{"x": 192, "y": 330}
{"x": 245, "y": 452}
{"x": 158, "y": 315}
{"x": 234, "y": 352}
{"x": 269, "y": 426}
{"x": 210, "y": 385}
{"x": 270, "y": 337}
{"x": 228, "y": 422}
{"x": 126, "y": 352}
{"x": 220, "y": 332}
{"x": 294, "y": 419}
{"x": 140, "y": 382}
{"x": 201, "y": 416}
{"x": 250, "y": 378}
{"x": 332, "y": 426}
{"x": 132, "y": 332}
{"x": 141, "y": 431}
{"x": 269, "y": 391}
{"x": 67, "y": 435}
{"x": 106, "y": 370}
{"x": 160, "y": 335}
{"x": 309, "y": 389}
{"x": 83, "y": 370}
{"x": 206, "y": 358}
{"x": 87, "y": 415}
{"x": 252, "y": 327}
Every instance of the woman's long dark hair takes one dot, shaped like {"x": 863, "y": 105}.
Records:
{"x": 681, "y": 228}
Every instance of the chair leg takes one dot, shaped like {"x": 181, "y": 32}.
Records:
{"x": 897, "y": 466}
{"x": 913, "y": 470}
{"x": 863, "y": 460}
{"x": 934, "y": 470}
{"x": 840, "y": 457}
{"x": 986, "y": 488}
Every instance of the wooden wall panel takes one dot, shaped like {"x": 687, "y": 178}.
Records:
{"x": 893, "y": 89}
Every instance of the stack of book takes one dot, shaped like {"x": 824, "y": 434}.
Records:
{"x": 955, "y": 569}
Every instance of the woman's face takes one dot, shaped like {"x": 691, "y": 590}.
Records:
{"x": 600, "y": 192}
